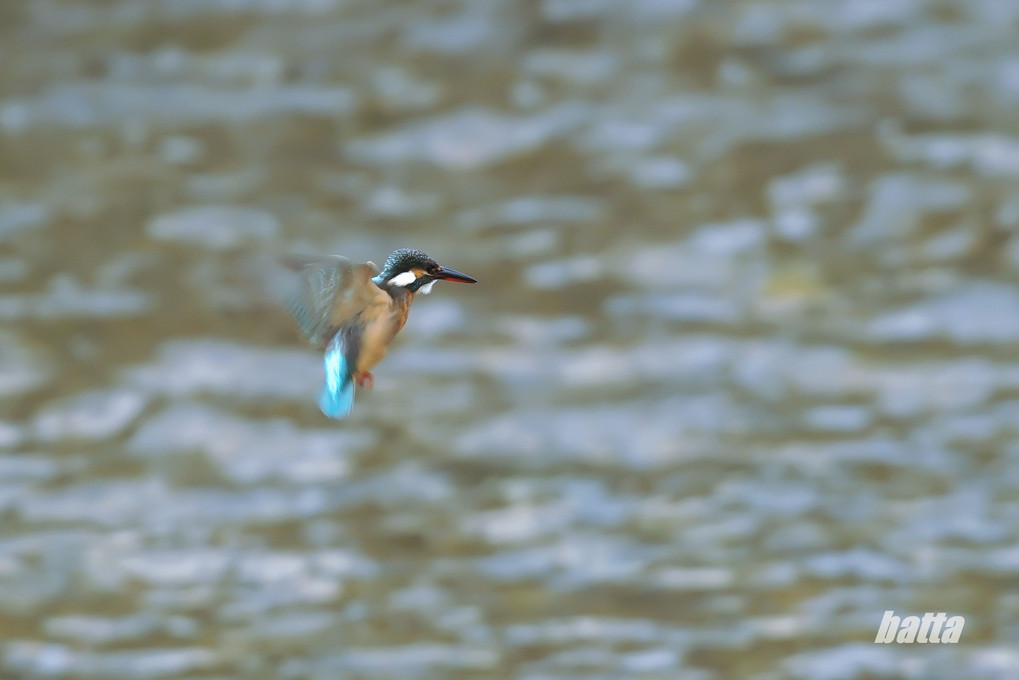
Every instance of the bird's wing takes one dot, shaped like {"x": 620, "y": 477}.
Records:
{"x": 331, "y": 291}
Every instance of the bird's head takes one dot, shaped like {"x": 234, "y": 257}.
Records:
{"x": 415, "y": 271}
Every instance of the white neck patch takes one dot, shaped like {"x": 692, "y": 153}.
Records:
{"x": 404, "y": 279}
{"x": 427, "y": 288}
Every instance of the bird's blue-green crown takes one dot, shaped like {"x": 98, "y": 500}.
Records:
{"x": 405, "y": 259}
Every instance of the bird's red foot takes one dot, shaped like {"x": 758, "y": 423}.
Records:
{"x": 365, "y": 379}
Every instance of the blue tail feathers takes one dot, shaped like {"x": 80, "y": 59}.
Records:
{"x": 337, "y": 397}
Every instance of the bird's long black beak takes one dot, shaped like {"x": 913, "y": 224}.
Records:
{"x": 447, "y": 274}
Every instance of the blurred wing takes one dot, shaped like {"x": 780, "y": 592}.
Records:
{"x": 331, "y": 291}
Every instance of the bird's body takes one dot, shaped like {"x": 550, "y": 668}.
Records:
{"x": 354, "y": 311}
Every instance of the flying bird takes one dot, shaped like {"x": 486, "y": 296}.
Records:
{"x": 354, "y": 311}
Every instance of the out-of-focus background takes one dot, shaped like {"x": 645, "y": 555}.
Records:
{"x": 741, "y": 372}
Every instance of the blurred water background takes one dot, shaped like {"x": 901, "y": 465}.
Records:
{"x": 741, "y": 372}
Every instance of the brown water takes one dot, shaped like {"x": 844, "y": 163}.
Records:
{"x": 741, "y": 372}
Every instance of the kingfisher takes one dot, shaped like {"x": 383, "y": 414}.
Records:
{"x": 354, "y": 311}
